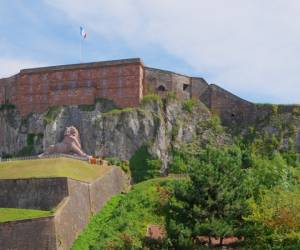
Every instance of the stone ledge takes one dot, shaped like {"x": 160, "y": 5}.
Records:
{"x": 84, "y": 65}
{"x": 72, "y": 213}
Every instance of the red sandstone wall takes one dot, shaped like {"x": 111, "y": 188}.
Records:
{"x": 39, "y": 89}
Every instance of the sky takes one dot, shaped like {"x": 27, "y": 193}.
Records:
{"x": 251, "y": 48}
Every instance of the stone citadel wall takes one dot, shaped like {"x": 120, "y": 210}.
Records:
{"x": 35, "y": 90}
{"x": 123, "y": 81}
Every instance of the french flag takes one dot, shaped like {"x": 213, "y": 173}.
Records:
{"x": 83, "y": 33}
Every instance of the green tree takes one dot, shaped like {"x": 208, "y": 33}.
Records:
{"x": 212, "y": 202}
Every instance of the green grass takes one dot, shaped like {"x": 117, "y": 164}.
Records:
{"x": 188, "y": 105}
{"x": 124, "y": 219}
{"x": 58, "y": 167}
{"x": 151, "y": 98}
{"x": 117, "y": 111}
{"x": 13, "y": 214}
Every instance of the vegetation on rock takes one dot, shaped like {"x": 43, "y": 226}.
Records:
{"x": 51, "y": 115}
{"x": 246, "y": 187}
{"x": 143, "y": 165}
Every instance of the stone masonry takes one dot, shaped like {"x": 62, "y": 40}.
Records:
{"x": 125, "y": 82}
{"x": 35, "y": 90}
{"x": 74, "y": 202}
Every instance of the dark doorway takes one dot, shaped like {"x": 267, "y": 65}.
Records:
{"x": 161, "y": 88}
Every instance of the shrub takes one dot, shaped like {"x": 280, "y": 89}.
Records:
{"x": 171, "y": 95}
{"x": 143, "y": 166}
{"x": 188, "y": 105}
{"x": 124, "y": 165}
{"x": 151, "y": 98}
{"x": 275, "y": 219}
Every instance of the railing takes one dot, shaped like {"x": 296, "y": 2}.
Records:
{"x": 39, "y": 157}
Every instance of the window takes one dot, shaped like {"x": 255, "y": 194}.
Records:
{"x": 185, "y": 87}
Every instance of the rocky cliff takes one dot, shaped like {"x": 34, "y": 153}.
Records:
{"x": 105, "y": 131}
{"x": 109, "y": 132}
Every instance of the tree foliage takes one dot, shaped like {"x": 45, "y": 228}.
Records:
{"x": 212, "y": 202}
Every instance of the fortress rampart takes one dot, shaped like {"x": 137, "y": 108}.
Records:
{"x": 35, "y": 90}
{"x": 73, "y": 203}
{"x": 125, "y": 82}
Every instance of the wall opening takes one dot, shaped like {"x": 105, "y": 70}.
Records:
{"x": 161, "y": 88}
{"x": 185, "y": 87}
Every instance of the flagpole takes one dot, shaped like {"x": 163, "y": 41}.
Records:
{"x": 80, "y": 49}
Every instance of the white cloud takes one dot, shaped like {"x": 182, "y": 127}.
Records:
{"x": 249, "y": 47}
{"x": 11, "y": 66}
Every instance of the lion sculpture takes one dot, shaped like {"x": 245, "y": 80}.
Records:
{"x": 70, "y": 145}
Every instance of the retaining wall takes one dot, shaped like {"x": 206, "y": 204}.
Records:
{"x": 77, "y": 201}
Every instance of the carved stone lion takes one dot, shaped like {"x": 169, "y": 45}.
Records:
{"x": 70, "y": 145}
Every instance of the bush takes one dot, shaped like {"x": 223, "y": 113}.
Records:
{"x": 151, "y": 98}
{"x": 188, "y": 105}
{"x": 275, "y": 219}
{"x": 124, "y": 165}
{"x": 143, "y": 166}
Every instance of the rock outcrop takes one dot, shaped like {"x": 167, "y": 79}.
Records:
{"x": 109, "y": 132}
{"x": 104, "y": 131}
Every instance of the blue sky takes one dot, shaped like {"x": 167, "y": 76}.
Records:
{"x": 251, "y": 48}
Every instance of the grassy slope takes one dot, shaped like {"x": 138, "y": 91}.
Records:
{"x": 124, "y": 216}
{"x": 13, "y": 214}
{"x": 59, "y": 167}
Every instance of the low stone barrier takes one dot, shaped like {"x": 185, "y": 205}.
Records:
{"x": 77, "y": 202}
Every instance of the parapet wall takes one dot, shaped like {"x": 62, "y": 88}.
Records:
{"x": 230, "y": 108}
{"x": 42, "y": 194}
{"x": 35, "y": 90}
{"x": 77, "y": 201}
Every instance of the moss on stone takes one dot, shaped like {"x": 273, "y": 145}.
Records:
{"x": 87, "y": 107}
{"x": 51, "y": 115}
{"x": 7, "y": 106}
{"x": 28, "y": 150}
